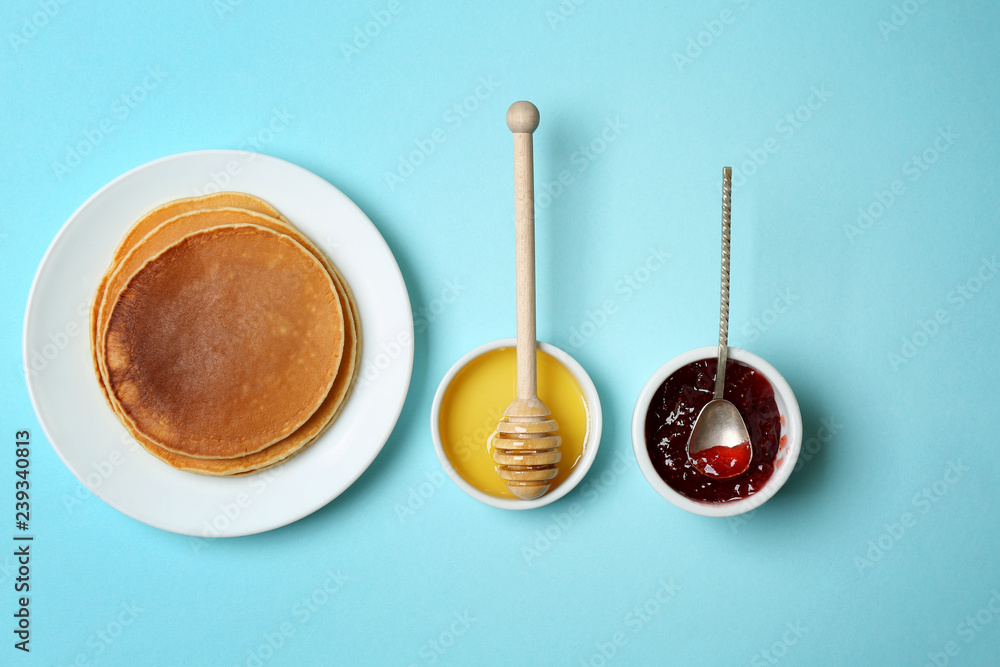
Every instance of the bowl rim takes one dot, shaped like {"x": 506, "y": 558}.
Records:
{"x": 793, "y": 431}
{"x": 591, "y": 444}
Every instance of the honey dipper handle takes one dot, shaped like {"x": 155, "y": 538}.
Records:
{"x": 522, "y": 119}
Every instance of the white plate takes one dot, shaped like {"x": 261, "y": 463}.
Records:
{"x": 96, "y": 448}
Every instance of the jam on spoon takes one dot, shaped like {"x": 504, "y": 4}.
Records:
{"x": 722, "y": 462}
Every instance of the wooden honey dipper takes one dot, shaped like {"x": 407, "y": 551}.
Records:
{"x": 525, "y": 445}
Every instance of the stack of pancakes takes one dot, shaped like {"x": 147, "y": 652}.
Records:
{"x": 224, "y": 340}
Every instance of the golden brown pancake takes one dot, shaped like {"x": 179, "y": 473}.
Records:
{"x": 151, "y": 221}
{"x": 276, "y": 453}
{"x": 161, "y": 214}
{"x": 166, "y": 234}
{"x": 175, "y": 229}
{"x": 225, "y": 342}
{"x": 321, "y": 419}
{"x": 265, "y": 458}
{"x": 240, "y": 465}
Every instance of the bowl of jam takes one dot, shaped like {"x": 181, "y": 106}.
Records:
{"x": 668, "y": 407}
{"x": 471, "y": 399}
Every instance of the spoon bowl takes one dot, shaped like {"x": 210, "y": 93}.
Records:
{"x": 719, "y": 445}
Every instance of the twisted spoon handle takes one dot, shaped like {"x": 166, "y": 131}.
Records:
{"x": 720, "y": 373}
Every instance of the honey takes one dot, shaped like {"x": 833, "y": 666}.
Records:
{"x": 475, "y": 400}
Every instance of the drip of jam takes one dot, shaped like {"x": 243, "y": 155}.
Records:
{"x": 674, "y": 410}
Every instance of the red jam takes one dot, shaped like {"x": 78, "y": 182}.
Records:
{"x": 722, "y": 462}
{"x": 674, "y": 410}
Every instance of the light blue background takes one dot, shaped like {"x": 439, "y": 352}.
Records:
{"x": 796, "y": 562}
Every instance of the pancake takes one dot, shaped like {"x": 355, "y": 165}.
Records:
{"x": 167, "y": 234}
{"x": 268, "y": 457}
{"x": 224, "y": 343}
{"x": 175, "y": 229}
{"x": 241, "y": 465}
{"x": 293, "y": 444}
{"x": 329, "y": 409}
{"x": 151, "y": 221}
{"x": 278, "y": 452}
{"x": 161, "y": 214}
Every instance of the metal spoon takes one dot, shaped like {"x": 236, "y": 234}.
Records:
{"x": 719, "y": 445}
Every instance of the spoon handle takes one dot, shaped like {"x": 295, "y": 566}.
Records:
{"x": 522, "y": 119}
{"x": 720, "y": 373}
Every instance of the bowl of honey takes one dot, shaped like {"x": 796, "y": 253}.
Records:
{"x": 471, "y": 400}
{"x": 669, "y": 405}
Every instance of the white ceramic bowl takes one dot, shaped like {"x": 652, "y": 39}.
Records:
{"x": 788, "y": 407}
{"x": 591, "y": 441}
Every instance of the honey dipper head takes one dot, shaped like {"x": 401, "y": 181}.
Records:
{"x": 526, "y": 448}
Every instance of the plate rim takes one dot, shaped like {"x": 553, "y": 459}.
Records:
{"x": 397, "y": 276}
